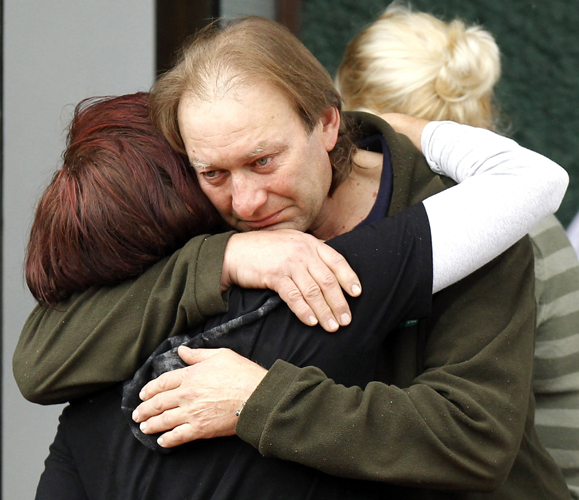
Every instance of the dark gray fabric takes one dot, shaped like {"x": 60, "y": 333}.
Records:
{"x": 165, "y": 358}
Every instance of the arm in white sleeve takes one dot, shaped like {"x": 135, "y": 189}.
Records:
{"x": 504, "y": 191}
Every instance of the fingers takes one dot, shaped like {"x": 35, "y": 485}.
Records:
{"x": 315, "y": 293}
{"x": 177, "y": 436}
{"x": 181, "y": 434}
{"x": 173, "y": 379}
{"x": 180, "y": 426}
{"x": 166, "y": 382}
{"x": 305, "y": 272}
{"x": 165, "y": 421}
{"x": 334, "y": 277}
{"x": 154, "y": 405}
{"x": 304, "y": 296}
{"x": 321, "y": 291}
{"x": 292, "y": 296}
{"x": 336, "y": 262}
{"x": 201, "y": 400}
{"x": 194, "y": 356}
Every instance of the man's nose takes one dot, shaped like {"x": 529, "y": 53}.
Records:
{"x": 248, "y": 196}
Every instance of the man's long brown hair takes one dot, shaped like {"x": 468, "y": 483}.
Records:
{"x": 249, "y": 50}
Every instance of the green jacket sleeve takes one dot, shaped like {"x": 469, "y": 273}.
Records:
{"x": 453, "y": 413}
{"x": 101, "y": 336}
{"x": 457, "y": 425}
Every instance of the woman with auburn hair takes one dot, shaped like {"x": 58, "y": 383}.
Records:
{"x": 413, "y": 63}
{"x": 122, "y": 201}
{"x": 120, "y": 179}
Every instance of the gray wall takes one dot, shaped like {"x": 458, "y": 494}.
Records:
{"x": 55, "y": 53}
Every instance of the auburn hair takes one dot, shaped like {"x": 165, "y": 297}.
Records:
{"x": 122, "y": 200}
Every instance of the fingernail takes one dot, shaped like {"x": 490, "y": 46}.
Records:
{"x": 143, "y": 426}
{"x": 136, "y": 415}
{"x": 345, "y": 319}
{"x": 142, "y": 395}
{"x": 356, "y": 290}
{"x": 313, "y": 320}
{"x": 333, "y": 325}
{"x": 160, "y": 441}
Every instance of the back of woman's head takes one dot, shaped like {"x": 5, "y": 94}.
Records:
{"x": 122, "y": 200}
{"x": 413, "y": 63}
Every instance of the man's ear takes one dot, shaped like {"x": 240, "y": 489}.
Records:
{"x": 330, "y": 121}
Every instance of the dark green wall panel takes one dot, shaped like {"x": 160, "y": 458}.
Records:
{"x": 539, "y": 41}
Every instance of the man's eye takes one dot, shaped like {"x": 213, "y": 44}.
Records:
{"x": 262, "y": 162}
{"x": 210, "y": 174}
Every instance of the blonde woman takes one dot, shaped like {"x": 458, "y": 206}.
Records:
{"x": 413, "y": 63}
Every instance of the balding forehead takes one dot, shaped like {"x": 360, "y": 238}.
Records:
{"x": 220, "y": 83}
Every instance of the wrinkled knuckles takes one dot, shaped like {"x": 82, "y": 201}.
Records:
{"x": 157, "y": 403}
{"x": 163, "y": 383}
{"x": 294, "y": 296}
{"x": 166, "y": 420}
{"x": 312, "y": 292}
{"x": 329, "y": 281}
{"x": 177, "y": 435}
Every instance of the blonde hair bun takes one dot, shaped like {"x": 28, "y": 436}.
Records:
{"x": 470, "y": 67}
{"x": 413, "y": 63}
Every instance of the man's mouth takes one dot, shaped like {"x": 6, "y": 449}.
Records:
{"x": 264, "y": 222}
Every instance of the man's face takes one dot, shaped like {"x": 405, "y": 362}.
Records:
{"x": 254, "y": 159}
